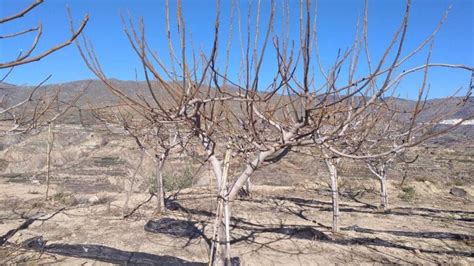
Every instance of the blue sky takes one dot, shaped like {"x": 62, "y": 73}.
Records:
{"x": 336, "y": 26}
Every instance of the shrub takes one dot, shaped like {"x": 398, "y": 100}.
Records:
{"x": 408, "y": 193}
{"x": 177, "y": 180}
{"x": 100, "y": 199}
{"x": 65, "y": 198}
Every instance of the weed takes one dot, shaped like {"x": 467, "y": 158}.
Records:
{"x": 38, "y": 204}
{"x": 420, "y": 178}
{"x": 66, "y": 198}
{"x": 102, "y": 199}
{"x": 408, "y": 194}
{"x": 178, "y": 181}
{"x": 459, "y": 182}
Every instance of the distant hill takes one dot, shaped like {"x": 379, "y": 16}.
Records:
{"x": 96, "y": 94}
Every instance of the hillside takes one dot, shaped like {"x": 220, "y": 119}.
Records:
{"x": 96, "y": 94}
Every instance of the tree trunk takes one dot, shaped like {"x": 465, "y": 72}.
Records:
{"x": 160, "y": 191}
{"x": 220, "y": 249}
{"x": 381, "y": 174}
{"x": 217, "y": 170}
{"x": 248, "y": 186}
{"x": 245, "y": 175}
{"x": 227, "y": 228}
{"x": 383, "y": 193}
{"x": 231, "y": 194}
{"x": 48, "y": 160}
{"x": 81, "y": 119}
{"x": 335, "y": 195}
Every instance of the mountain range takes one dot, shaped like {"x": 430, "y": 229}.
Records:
{"x": 97, "y": 94}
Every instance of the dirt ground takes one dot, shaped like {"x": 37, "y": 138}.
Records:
{"x": 277, "y": 226}
{"x": 285, "y": 222}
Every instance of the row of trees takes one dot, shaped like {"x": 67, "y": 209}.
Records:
{"x": 194, "y": 100}
{"x": 245, "y": 122}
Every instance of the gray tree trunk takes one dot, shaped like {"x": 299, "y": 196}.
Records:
{"x": 381, "y": 174}
{"x": 48, "y": 159}
{"x": 335, "y": 195}
{"x": 231, "y": 194}
{"x": 248, "y": 186}
{"x": 160, "y": 191}
{"x": 383, "y": 193}
{"x": 220, "y": 249}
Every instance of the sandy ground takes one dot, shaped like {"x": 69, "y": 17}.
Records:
{"x": 277, "y": 226}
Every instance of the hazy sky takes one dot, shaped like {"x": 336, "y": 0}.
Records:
{"x": 336, "y": 29}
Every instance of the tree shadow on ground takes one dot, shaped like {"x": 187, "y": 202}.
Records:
{"x": 176, "y": 206}
{"x": 29, "y": 221}
{"x": 314, "y": 234}
{"x": 371, "y": 209}
{"x": 177, "y": 228}
{"x": 366, "y": 241}
{"x": 311, "y": 233}
{"x": 104, "y": 253}
{"x": 433, "y": 235}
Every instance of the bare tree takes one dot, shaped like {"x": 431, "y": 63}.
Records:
{"x": 393, "y": 127}
{"x": 48, "y": 157}
{"x": 24, "y": 114}
{"x": 158, "y": 143}
{"x": 34, "y": 111}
